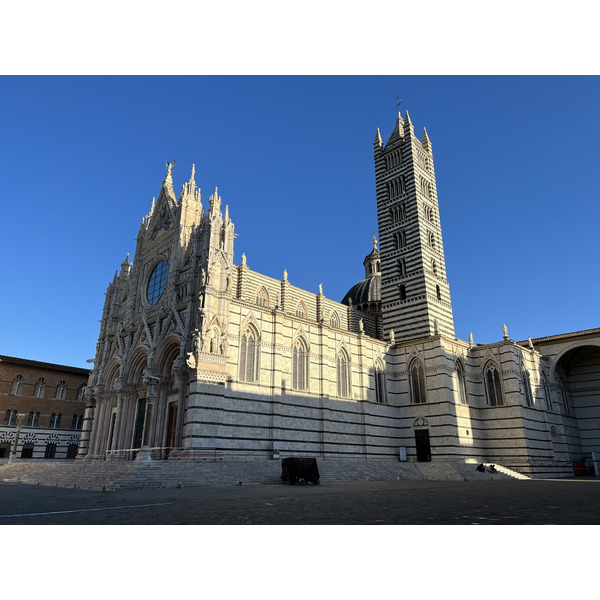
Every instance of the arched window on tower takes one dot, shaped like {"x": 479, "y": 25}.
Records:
{"x": 431, "y": 240}
{"x": 438, "y": 292}
{"x": 248, "y": 355}
{"x": 401, "y": 267}
{"x": 16, "y": 389}
{"x": 343, "y": 374}
{"x": 400, "y": 239}
{"x": 418, "y": 388}
{"x": 434, "y": 267}
{"x": 402, "y": 291}
{"x": 300, "y": 365}
{"x": 493, "y": 386}
{"x": 39, "y": 388}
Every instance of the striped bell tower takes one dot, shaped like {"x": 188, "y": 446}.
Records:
{"x": 415, "y": 293}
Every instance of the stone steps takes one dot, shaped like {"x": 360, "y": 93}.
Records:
{"x": 113, "y": 475}
{"x": 99, "y": 475}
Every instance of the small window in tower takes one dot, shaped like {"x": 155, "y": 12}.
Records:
{"x": 402, "y": 292}
{"x": 438, "y": 292}
{"x": 402, "y": 267}
{"x": 431, "y": 240}
{"x": 434, "y": 267}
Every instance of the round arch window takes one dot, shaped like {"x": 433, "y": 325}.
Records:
{"x": 156, "y": 285}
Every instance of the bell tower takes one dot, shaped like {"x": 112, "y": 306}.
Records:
{"x": 415, "y": 294}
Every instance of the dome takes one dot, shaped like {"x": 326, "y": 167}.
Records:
{"x": 366, "y": 294}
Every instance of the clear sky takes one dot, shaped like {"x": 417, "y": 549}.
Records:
{"x": 516, "y": 162}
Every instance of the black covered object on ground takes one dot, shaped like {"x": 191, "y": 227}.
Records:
{"x": 295, "y": 470}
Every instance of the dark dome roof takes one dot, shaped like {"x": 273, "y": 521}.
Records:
{"x": 367, "y": 291}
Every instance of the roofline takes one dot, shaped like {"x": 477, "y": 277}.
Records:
{"x": 36, "y": 363}
{"x": 562, "y": 336}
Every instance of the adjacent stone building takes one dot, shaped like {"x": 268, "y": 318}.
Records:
{"x": 41, "y": 407}
{"x": 198, "y": 355}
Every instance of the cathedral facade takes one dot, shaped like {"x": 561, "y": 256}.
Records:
{"x": 198, "y": 355}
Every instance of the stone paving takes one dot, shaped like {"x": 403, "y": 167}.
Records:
{"x": 573, "y": 501}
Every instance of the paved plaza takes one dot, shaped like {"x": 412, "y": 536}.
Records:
{"x": 574, "y": 501}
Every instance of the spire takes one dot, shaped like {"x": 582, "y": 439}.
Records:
{"x": 426, "y": 143}
{"x": 408, "y": 126}
{"x": 125, "y": 266}
{"x": 397, "y": 133}
{"x": 214, "y": 202}
{"x": 378, "y": 140}
{"x": 189, "y": 188}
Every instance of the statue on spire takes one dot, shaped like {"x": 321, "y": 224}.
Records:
{"x": 170, "y": 169}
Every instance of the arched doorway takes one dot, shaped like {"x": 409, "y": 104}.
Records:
{"x": 168, "y": 400}
{"x": 577, "y": 384}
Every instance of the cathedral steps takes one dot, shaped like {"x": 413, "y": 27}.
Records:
{"x": 115, "y": 475}
{"x": 97, "y": 475}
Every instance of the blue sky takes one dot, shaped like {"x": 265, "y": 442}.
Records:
{"x": 82, "y": 157}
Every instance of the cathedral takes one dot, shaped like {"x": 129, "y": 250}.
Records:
{"x": 199, "y": 355}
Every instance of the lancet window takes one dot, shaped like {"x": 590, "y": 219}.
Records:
{"x": 33, "y": 419}
{"x": 393, "y": 159}
{"x": 461, "y": 383}
{"x": 55, "y": 420}
{"x": 300, "y": 365}
{"x": 301, "y": 310}
{"x": 61, "y": 391}
{"x": 248, "y": 355}
{"x": 40, "y": 386}
{"x": 10, "y": 417}
{"x": 380, "y": 388}
{"x": 493, "y": 386}
{"x": 343, "y": 374}
{"x": 396, "y": 187}
{"x": 16, "y": 389}
{"x": 261, "y": 297}
{"x": 418, "y": 389}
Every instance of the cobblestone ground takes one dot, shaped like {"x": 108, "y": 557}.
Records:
{"x": 573, "y": 501}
